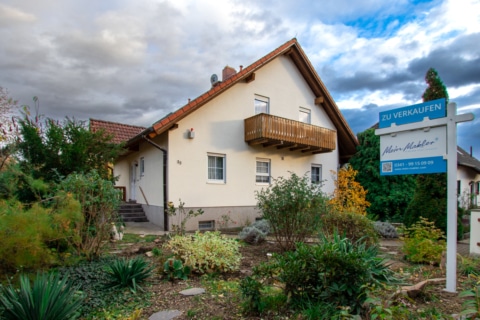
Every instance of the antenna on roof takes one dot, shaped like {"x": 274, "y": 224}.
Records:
{"x": 213, "y": 79}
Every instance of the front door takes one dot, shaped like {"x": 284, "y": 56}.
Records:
{"x": 133, "y": 183}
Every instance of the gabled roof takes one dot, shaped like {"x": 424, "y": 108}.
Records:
{"x": 465, "y": 159}
{"x": 119, "y": 131}
{"x": 347, "y": 140}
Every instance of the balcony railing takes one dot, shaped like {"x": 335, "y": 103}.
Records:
{"x": 269, "y": 130}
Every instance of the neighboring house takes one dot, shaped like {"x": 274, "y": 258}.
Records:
{"x": 468, "y": 179}
{"x": 266, "y": 120}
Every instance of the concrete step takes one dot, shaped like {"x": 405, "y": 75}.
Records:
{"x": 132, "y": 212}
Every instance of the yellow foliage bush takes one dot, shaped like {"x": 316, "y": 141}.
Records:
{"x": 349, "y": 195}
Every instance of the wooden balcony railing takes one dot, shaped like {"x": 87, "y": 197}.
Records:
{"x": 269, "y": 130}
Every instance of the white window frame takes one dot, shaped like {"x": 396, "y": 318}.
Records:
{"x": 305, "y": 111}
{"x": 224, "y": 168}
{"x": 263, "y": 174}
{"x": 261, "y": 99}
{"x": 319, "y": 167}
{"x": 142, "y": 166}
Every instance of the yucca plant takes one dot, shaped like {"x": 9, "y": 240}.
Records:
{"x": 128, "y": 273}
{"x": 50, "y": 298}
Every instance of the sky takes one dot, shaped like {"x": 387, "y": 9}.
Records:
{"x": 134, "y": 61}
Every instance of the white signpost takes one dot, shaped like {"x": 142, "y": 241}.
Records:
{"x": 419, "y": 139}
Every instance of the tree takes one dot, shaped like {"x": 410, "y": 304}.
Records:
{"x": 430, "y": 198}
{"x": 52, "y": 149}
{"x": 49, "y": 150}
{"x": 349, "y": 195}
{"x": 388, "y": 195}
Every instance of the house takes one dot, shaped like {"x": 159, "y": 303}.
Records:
{"x": 468, "y": 179}
{"x": 261, "y": 122}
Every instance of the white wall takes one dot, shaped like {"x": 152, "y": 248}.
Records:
{"x": 467, "y": 175}
{"x": 219, "y": 128}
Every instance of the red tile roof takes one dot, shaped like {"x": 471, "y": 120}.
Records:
{"x": 347, "y": 139}
{"x": 120, "y": 132}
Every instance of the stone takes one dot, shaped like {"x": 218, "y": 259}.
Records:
{"x": 165, "y": 315}
{"x": 149, "y": 254}
{"x": 192, "y": 292}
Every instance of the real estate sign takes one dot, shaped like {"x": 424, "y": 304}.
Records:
{"x": 417, "y": 151}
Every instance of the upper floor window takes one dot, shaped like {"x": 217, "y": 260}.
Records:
{"x": 262, "y": 104}
{"x": 304, "y": 115}
{"x": 216, "y": 167}
{"x": 316, "y": 172}
{"x": 262, "y": 171}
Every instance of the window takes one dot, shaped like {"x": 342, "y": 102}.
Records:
{"x": 316, "y": 173}
{"x": 206, "y": 225}
{"x": 263, "y": 171}
{"x": 261, "y": 104}
{"x": 304, "y": 115}
{"x": 142, "y": 166}
{"x": 459, "y": 185}
{"x": 216, "y": 168}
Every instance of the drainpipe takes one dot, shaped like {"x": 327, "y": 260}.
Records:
{"x": 165, "y": 202}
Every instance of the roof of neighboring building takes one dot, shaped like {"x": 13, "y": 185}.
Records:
{"x": 465, "y": 159}
{"x": 347, "y": 141}
{"x": 120, "y": 132}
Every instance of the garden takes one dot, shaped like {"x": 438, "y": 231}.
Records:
{"x": 308, "y": 258}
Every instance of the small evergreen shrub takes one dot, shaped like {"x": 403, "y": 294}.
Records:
{"x": 252, "y": 235}
{"x": 385, "y": 229}
{"x": 262, "y": 225}
{"x": 352, "y": 225}
{"x": 50, "y": 298}
{"x": 255, "y": 233}
{"x": 206, "y": 252}
{"x": 128, "y": 273}
{"x": 423, "y": 242}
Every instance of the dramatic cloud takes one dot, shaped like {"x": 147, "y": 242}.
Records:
{"x": 136, "y": 61}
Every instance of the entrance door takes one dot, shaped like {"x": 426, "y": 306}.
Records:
{"x": 133, "y": 182}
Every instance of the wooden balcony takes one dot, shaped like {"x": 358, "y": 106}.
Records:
{"x": 272, "y": 131}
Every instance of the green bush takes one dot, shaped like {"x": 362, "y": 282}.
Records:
{"x": 352, "y": 225}
{"x": 99, "y": 201}
{"x": 34, "y": 237}
{"x": 335, "y": 272}
{"x": 128, "y": 273}
{"x": 50, "y": 298}
{"x": 206, "y": 252}
{"x": 423, "y": 242}
{"x": 293, "y": 207}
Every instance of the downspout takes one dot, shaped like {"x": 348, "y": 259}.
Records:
{"x": 165, "y": 202}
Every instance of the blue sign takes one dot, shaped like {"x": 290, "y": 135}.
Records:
{"x": 413, "y": 166}
{"x": 431, "y": 109}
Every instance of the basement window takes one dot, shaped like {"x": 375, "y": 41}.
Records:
{"x": 206, "y": 225}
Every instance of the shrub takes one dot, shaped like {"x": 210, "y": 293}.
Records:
{"x": 50, "y": 298}
{"x": 349, "y": 195}
{"x": 128, "y": 273}
{"x": 293, "y": 207}
{"x": 32, "y": 237}
{"x": 99, "y": 201}
{"x": 423, "y": 242}
{"x": 255, "y": 233}
{"x": 336, "y": 272}
{"x": 206, "y": 252}
{"x": 385, "y": 229}
{"x": 351, "y": 225}
{"x": 251, "y": 291}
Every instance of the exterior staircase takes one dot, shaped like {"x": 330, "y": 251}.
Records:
{"x": 132, "y": 212}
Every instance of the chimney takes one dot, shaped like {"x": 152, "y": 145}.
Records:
{"x": 471, "y": 151}
{"x": 228, "y": 72}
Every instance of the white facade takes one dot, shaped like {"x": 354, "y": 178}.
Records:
{"x": 468, "y": 184}
{"x": 218, "y": 132}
